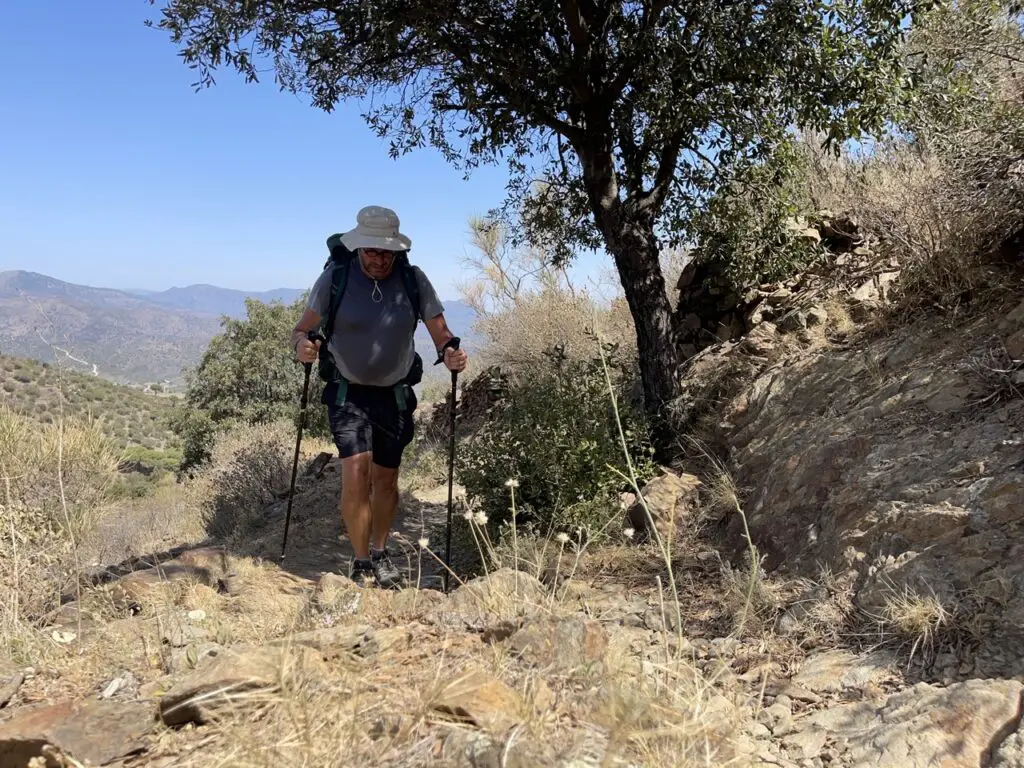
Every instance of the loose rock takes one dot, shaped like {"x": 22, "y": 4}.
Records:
{"x": 229, "y": 678}
{"x": 562, "y": 645}
{"x": 473, "y": 696}
{"x": 670, "y": 499}
{"x": 93, "y": 732}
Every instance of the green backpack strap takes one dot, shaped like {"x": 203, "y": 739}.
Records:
{"x": 339, "y": 262}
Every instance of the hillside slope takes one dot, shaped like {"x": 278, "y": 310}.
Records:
{"x": 129, "y": 416}
{"x": 108, "y": 333}
{"x": 213, "y": 300}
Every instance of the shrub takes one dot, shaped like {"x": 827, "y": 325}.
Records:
{"x": 557, "y": 438}
{"x": 525, "y": 306}
{"x": 249, "y": 467}
{"x": 751, "y": 226}
{"x": 246, "y": 376}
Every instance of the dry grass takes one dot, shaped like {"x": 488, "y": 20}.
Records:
{"x": 53, "y": 483}
{"x": 249, "y": 467}
{"x": 909, "y": 618}
{"x": 999, "y": 376}
{"x": 137, "y": 527}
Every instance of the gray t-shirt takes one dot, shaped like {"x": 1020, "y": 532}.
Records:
{"x": 372, "y": 342}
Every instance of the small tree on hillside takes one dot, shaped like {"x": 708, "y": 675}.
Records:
{"x": 630, "y": 111}
{"x": 246, "y": 376}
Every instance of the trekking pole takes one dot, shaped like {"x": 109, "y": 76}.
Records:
{"x": 454, "y": 344}
{"x": 313, "y": 336}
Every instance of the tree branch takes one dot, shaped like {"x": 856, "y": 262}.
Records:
{"x": 577, "y": 27}
{"x": 667, "y": 160}
{"x": 560, "y": 127}
{"x": 632, "y": 61}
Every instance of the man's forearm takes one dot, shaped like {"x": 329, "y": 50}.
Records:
{"x": 308, "y": 322}
{"x": 439, "y": 332}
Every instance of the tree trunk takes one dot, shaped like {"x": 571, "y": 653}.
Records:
{"x": 628, "y": 232}
{"x": 635, "y": 250}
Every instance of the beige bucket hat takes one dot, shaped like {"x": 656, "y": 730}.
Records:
{"x": 376, "y": 227}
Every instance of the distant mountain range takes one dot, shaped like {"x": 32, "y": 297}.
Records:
{"x": 138, "y": 336}
{"x": 210, "y": 299}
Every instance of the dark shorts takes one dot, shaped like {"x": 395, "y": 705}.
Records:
{"x": 370, "y": 420}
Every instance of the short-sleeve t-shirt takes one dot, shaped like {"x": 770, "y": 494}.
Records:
{"x": 372, "y": 341}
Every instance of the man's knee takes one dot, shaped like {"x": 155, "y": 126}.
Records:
{"x": 385, "y": 478}
{"x": 355, "y": 473}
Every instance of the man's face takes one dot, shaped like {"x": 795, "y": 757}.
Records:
{"x": 377, "y": 262}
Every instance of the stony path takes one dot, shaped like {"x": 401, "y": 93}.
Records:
{"x": 317, "y": 543}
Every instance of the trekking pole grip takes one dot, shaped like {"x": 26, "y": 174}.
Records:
{"x": 314, "y": 336}
{"x": 452, "y": 343}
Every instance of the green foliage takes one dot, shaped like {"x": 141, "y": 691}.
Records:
{"x": 247, "y": 376}
{"x": 753, "y": 227}
{"x": 557, "y": 438}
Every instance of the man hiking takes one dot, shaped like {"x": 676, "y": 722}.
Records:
{"x": 370, "y": 364}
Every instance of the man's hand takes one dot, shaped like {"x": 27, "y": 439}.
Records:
{"x": 307, "y": 351}
{"x": 455, "y": 360}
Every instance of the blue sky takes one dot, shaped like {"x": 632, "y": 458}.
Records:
{"x": 116, "y": 173}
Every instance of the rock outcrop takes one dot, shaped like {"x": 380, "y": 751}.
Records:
{"x": 898, "y": 462}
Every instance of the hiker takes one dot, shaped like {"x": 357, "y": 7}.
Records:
{"x": 371, "y": 364}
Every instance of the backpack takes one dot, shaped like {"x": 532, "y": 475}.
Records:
{"x": 340, "y": 262}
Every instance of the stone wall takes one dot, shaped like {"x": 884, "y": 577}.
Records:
{"x": 711, "y": 311}
{"x": 476, "y": 401}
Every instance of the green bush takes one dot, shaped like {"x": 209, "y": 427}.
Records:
{"x": 246, "y": 376}
{"x": 557, "y": 438}
{"x": 751, "y": 226}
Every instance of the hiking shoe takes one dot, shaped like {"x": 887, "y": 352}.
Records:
{"x": 387, "y": 574}
{"x": 361, "y": 572}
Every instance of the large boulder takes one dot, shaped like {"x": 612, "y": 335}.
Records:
{"x": 920, "y": 727}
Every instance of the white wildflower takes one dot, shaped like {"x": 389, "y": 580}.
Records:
{"x": 424, "y": 542}
{"x": 512, "y": 483}
{"x": 628, "y": 533}
{"x": 562, "y": 538}
{"x": 481, "y": 518}
{"x": 467, "y": 516}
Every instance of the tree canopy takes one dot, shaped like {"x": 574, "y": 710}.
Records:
{"x": 629, "y": 114}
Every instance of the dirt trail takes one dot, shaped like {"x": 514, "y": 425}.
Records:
{"x": 317, "y": 542}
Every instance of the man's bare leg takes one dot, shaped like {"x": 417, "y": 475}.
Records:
{"x": 383, "y": 503}
{"x": 355, "y": 502}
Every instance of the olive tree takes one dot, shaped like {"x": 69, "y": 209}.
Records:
{"x": 630, "y": 113}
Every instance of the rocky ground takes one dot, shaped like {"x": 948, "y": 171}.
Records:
{"x": 213, "y": 658}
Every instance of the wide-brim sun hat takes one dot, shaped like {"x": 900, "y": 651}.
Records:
{"x": 376, "y": 227}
